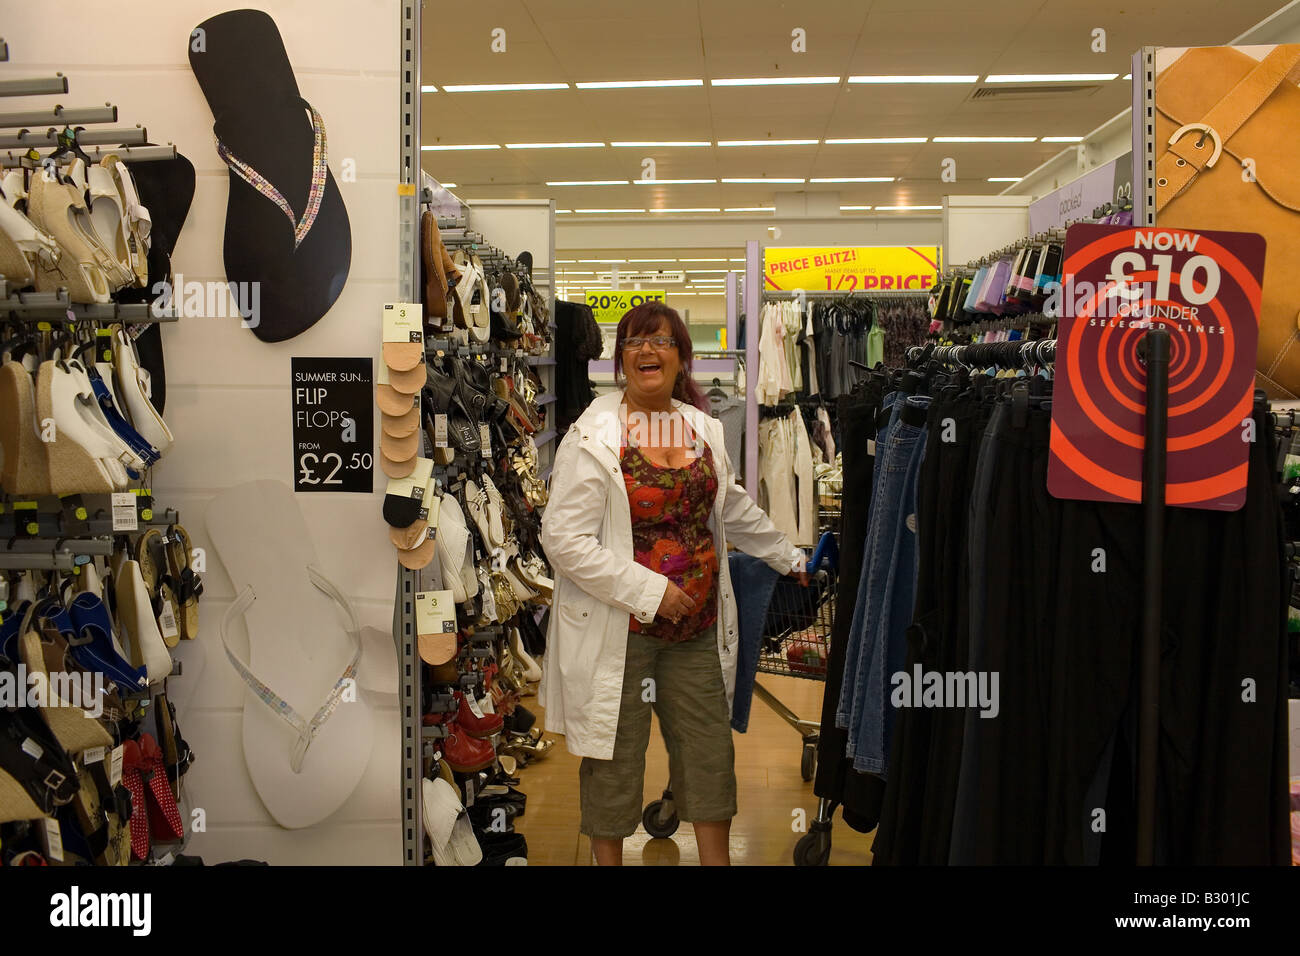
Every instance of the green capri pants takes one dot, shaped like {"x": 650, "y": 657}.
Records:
{"x": 690, "y": 698}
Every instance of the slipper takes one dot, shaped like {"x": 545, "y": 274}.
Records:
{"x": 74, "y": 728}
{"x": 25, "y": 251}
{"x": 100, "y": 376}
{"x": 166, "y": 188}
{"x": 55, "y": 207}
{"x": 93, "y": 646}
{"x": 454, "y": 551}
{"x": 134, "y": 387}
{"x": 275, "y": 145}
{"x": 112, "y": 223}
{"x": 151, "y": 553}
{"x": 399, "y": 426}
{"x": 300, "y": 662}
{"x": 187, "y": 585}
{"x": 25, "y": 469}
{"x": 137, "y": 622}
{"x": 134, "y": 458}
{"x": 391, "y": 401}
{"x": 80, "y": 461}
{"x": 447, "y": 825}
{"x": 436, "y": 286}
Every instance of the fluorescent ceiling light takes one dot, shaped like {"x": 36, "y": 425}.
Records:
{"x": 701, "y": 260}
{"x": 845, "y": 208}
{"x": 767, "y": 142}
{"x": 1048, "y": 77}
{"x": 1005, "y": 179}
{"x": 1128, "y": 76}
{"x": 561, "y": 211}
{"x": 905, "y": 208}
{"x": 553, "y": 145}
{"x": 762, "y": 180}
{"x": 1062, "y": 139}
{"x": 565, "y": 261}
{"x": 748, "y": 209}
{"x": 776, "y": 81}
{"x": 634, "y": 84}
{"x": 690, "y": 209}
{"x": 448, "y": 185}
{"x": 985, "y": 139}
{"x": 877, "y": 139}
{"x": 442, "y": 148}
{"x": 663, "y": 143}
{"x": 913, "y": 79}
{"x": 671, "y": 182}
{"x": 735, "y": 260}
{"x": 502, "y": 87}
{"x": 586, "y": 182}
{"x": 429, "y": 89}
{"x": 855, "y": 179}
{"x": 599, "y": 260}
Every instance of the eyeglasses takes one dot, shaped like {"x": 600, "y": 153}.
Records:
{"x": 660, "y": 342}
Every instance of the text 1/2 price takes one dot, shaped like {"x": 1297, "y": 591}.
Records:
{"x": 314, "y": 470}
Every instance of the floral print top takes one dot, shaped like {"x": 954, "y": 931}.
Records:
{"x": 670, "y": 534}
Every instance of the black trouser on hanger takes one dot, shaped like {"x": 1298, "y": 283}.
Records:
{"x": 859, "y": 794}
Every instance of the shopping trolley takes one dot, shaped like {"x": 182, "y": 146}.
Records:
{"x": 795, "y": 643}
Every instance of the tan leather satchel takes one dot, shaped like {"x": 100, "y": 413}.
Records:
{"x": 1228, "y": 157}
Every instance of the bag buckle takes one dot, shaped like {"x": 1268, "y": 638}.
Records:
{"x": 1205, "y": 130}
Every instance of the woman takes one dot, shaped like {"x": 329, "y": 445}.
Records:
{"x": 642, "y": 507}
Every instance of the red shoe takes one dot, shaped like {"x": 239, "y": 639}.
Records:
{"x": 466, "y": 754}
{"x": 473, "y": 721}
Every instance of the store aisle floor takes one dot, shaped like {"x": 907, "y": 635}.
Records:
{"x": 767, "y": 776}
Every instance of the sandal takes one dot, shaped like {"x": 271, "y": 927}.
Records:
{"x": 188, "y": 585}
{"x": 151, "y": 553}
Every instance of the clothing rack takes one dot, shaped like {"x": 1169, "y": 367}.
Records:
{"x": 778, "y": 295}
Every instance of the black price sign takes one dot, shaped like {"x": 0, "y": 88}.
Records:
{"x": 333, "y": 424}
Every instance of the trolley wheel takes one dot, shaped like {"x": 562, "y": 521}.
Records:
{"x": 658, "y": 826}
{"x": 808, "y": 761}
{"x": 814, "y": 847}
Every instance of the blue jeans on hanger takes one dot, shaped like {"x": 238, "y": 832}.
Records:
{"x": 885, "y": 420}
{"x": 890, "y": 585}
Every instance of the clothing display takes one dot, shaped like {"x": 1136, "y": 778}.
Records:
{"x": 1005, "y": 584}
{"x": 785, "y": 489}
{"x": 577, "y": 342}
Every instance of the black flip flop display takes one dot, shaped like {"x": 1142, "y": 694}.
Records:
{"x": 166, "y": 189}
{"x": 283, "y": 230}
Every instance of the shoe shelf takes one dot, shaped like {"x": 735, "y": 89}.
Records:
{"x": 68, "y": 524}
{"x": 541, "y": 360}
{"x": 61, "y": 115}
{"x": 61, "y": 554}
{"x": 57, "y": 307}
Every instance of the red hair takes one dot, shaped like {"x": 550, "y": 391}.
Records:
{"x": 643, "y": 320}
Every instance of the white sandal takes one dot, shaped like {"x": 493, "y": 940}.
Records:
{"x": 84, "y": 268}
{"x": 133, "y": 385}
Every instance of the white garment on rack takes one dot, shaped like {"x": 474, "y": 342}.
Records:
{"x": 773, "y": 373}
{"x": 792, "y": 324}
{"x": 814, "y": 388}
{"x": 786, "y": 477}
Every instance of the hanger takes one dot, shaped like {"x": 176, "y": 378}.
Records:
{"x": 69, "y": 145}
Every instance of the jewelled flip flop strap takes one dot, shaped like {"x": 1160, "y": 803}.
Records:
{"x": 319, "y": 175}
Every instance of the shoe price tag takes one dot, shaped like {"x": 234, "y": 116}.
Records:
{"x": 429, "y": 513}
{"x": 33, "y": 749}
{"x": 440, "y": 430}
{"x": 53, "y": 840}
{"x": 871, "y": 447}
{"x": 115, "y": 766}
{"x": 485, "y": 440}
{"x": 403, "y": 322}
{"x": 166, "y": 859}
{"x": 125, "y": 517}
{"x": 435, "y": 612}
{"x": 469, "y": 793}
{"x": 503, "y": 365}
{"x": 93, "y": 755}
{"x": 167, "y": 622}
{"x": 473, "y": 706}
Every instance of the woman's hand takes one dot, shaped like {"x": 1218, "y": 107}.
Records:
{"x": 800, "y": 576}
{"x": 676, "y": 603}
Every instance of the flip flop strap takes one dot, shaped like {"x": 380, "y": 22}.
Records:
{"x": 306, "y": 729}
{"x": 319, "y": 174}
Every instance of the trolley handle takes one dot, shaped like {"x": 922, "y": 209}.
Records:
{"x": 826, "y": 556}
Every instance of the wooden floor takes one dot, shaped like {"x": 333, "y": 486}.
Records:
{"x": 771, "y": 792}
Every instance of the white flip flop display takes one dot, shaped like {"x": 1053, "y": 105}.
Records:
{"x": 304, "y": 722}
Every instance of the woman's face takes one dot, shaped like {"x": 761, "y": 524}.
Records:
{"x": 652, "y": 372}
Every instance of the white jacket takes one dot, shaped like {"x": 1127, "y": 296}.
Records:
{"x": 587, "y": 534}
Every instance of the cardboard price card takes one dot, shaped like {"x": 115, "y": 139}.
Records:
{"x": 1204, "y": 287}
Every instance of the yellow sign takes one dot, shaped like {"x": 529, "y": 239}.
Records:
{"x": 851, "y": 269}
{"x": 609, "y": 305}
